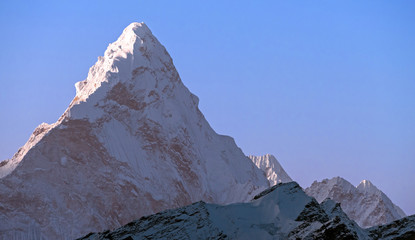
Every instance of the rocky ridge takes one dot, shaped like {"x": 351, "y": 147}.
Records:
{"x": 282, "y": 212}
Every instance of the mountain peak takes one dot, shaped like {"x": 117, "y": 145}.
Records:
{"x": 339, "y": 179}
{"x": 365, "y": 204}
{"x": 272, "y": 169}
{"x": 136, "y": 27}
{"x": 133, "y": 132}
{"x": 333, "y": 182}
{"x": 133, "y": 32}
{"x": 135, "y": 51}
{"x": 367, "y": 186}
{"x": 135, "y": 64}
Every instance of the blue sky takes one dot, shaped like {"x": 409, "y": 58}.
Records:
{"x": 328, "y": 87}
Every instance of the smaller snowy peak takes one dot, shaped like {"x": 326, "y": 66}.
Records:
{"x": 7, "y": 166}
{"x": 367, "y": 186}
{"x": 321, "y": 190}
{"x": 365, "y": 204}
{"x": 337, "y": 181}
{"x": 273, "y": 170}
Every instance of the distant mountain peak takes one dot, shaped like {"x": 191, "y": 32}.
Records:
{"x": 367, "y": 186}
{"x": 273, "y": 170}
{"x": 365, "y": 204}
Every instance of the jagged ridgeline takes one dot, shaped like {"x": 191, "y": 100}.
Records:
{"x": 365, "y": 204}
{"x": 281, "y": 212}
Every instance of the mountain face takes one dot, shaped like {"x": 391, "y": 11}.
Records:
{"x": 281, "y": 212}
{"x": 131, "y": 143}
{"x": 272, "y": 169}
{"x": 365, "y": 204}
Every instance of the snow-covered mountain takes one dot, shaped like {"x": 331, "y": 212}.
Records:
{"x": 281, "y": 212}
{"x": 272, "y": 169}
{"x": 131, "y": 143}
{"x": 365, "y": 204}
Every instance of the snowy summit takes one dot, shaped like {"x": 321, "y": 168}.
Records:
{"x": 365, "y": 204}
{"x": 272, "y": 169}
{"x": 132, "y": 142}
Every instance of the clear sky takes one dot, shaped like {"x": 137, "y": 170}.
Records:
{"x": 328, "y": 87}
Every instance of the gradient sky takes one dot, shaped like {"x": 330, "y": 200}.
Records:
{"x": 328, "y": 87}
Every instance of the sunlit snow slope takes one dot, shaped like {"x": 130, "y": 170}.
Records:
{"x": 272, "y": 169}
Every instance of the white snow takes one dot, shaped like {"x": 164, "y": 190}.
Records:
{"x": 63, "y": 160}
{"x": 368, "y": 187}
{"x": 278, "y": 209}
{"x": 365, "y": 204}
{"x": 131, "y": 143}
{"x": 272, "y": 169}
{"x": 12, "y": 163}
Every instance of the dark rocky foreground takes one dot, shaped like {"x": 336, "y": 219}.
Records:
{"x": 281, "y": 212}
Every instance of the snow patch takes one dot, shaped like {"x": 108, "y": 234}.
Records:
{"x": 64, "y": 160}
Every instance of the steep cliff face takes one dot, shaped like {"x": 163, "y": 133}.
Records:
{"x": 365, "y": 204}
{"x": 132, "y": 142}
